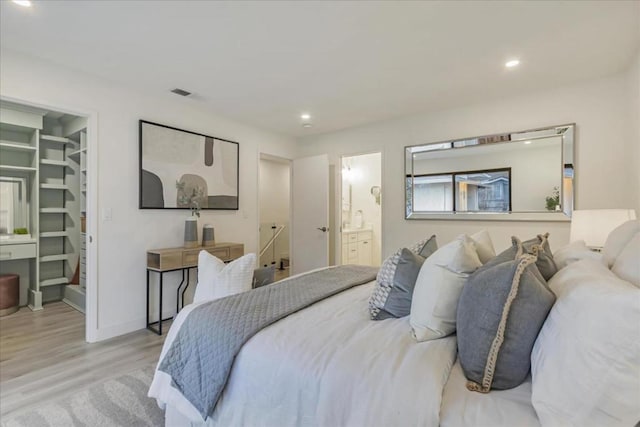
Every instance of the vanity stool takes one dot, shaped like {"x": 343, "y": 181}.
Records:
{"x": 9, "y": 294}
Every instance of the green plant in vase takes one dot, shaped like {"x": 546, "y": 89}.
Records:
{"x": 553, "y": 201}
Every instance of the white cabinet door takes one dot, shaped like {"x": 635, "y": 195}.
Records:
{"x": 364, "y": 252}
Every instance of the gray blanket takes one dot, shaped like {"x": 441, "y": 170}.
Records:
{"x": 200, "y": 358}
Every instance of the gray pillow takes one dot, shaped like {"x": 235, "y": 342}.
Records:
{"x": 500, "y": 312}
{"x": 263, "y": 276}
{"x": 386, "y": 275}
{"x": 538, "y": 246}
{"x": 398, "y": 303}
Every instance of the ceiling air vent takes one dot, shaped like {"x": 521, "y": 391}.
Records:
{"x": 180, "y": 92}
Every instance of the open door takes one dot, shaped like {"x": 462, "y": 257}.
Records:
{"x": 310, "y": 222}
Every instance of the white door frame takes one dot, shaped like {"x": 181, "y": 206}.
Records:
{"x": 284, "y": 160}
{"x": 338, "y": 207}
{"x": 91, "y": 301}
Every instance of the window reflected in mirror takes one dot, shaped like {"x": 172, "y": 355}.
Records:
{"x": 483, "y": 191}
{"x": 433, "y": 193}
{"x": 475, "y": 191}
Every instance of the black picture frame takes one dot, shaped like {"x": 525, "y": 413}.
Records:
{"x": 155, "y": 183}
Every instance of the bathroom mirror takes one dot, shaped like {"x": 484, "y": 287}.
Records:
{"x": 522, "y": 176}
{"x": 13, "y": 205}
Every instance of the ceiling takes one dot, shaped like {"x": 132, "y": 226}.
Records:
{"x": 346, "y": 63}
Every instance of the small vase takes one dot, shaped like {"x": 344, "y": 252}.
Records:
{"x": 191, "y": 232}
{"x": 208, "y": 235}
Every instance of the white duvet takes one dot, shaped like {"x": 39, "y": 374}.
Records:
{"x": 327, "y": 365}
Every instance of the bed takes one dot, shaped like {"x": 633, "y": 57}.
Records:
{"x": 330, "y": 365}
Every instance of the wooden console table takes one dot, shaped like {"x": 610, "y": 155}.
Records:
{"x": 182, "y": 259}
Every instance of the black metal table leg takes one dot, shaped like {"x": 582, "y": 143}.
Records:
{"x": 160, "y": 308}
{"x": 179, "y": 297}
{"x": 178, "y": 292}
{"x": 147, "y": 298}
{"x": 185, "y": 288}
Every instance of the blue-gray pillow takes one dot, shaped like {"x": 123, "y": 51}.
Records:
{"x": 263, "y": 276}
{"x": 398, "y": 302}
{"x": 500, "y": 312}
{"x": 386, "y": 276}
{"x": 538, "y": 246}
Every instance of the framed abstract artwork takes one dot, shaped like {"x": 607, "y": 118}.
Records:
{"x": 180, "y": 169}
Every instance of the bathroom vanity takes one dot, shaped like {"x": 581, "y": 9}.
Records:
{"x": 357, "y": 246}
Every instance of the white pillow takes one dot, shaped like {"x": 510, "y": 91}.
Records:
{"x": 484, "y": 245}
{"x": 573, "y": 252}
{"x": 617, "y": 240}
{"x": 438, "y": 288}
{"x": 585, "y": 364}
{"x": 217, "y": 279}
{"x": 627, "y": 265}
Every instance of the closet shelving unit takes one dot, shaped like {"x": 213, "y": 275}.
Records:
{"x": 54, "y": 251}
{"x": 83, "y": 209}
{"x": 46, "y": 150}
{"x": 19, "y": 157}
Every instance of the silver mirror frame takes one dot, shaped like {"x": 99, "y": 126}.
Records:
{"x": 567, "y": 170}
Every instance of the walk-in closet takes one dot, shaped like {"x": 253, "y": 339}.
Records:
{"x": 43, "y": 189}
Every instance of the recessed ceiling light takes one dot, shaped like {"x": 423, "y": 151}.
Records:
{"x": 527, "y": 142}
{"x": 512, "y": 63}
{"x": 23, "y": 3}
{"x": 305, "y": 116}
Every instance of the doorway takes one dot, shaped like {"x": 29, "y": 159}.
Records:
{"x": 48, "y": 148}
{"x": 274, "y": 202}
{"x": 361, "y": 209}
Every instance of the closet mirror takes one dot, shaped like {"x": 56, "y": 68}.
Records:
{"x": 14, "y": 215}
{"x": 523, "y": 176}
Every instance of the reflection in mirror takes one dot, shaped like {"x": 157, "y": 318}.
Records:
{"x": 13, "y": 204}
{"x": 520, "y": 173}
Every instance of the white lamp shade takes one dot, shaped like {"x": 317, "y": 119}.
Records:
{"x": 593, "y": 226}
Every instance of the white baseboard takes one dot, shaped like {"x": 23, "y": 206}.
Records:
{"x": 112, "y": 331}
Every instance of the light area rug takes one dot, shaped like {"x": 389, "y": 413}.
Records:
{"x": 121, "y": 401}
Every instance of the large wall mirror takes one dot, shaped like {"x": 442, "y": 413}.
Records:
{"x": 522, "y": 176}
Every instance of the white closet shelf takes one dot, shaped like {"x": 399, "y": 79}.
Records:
{"x": 17, "y": 168}
{"x": 54, "y": 234}
{"x": 50, "y": 162}
{"x": 52, "y": 282}
{"x": 16, "y": 146}
{"x": 51, "y": 258}
{"x": 58, "y": 139}
{"x": 76, "y": 154}
{"x": 54, "y": 210}
{"x": 46, "y": 186}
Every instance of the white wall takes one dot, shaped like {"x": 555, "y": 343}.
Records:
{"x": 605, "y": 173}
{"x": 274, "y": 191}
{"x": 123, "y": 241}
{"x": 274, "y": 188}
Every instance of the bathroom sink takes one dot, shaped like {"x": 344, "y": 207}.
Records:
{"x": 351, "y": 230}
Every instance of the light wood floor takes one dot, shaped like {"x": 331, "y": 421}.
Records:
{"x": 43, "y": 356}
{"x": 281, "y": 274}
